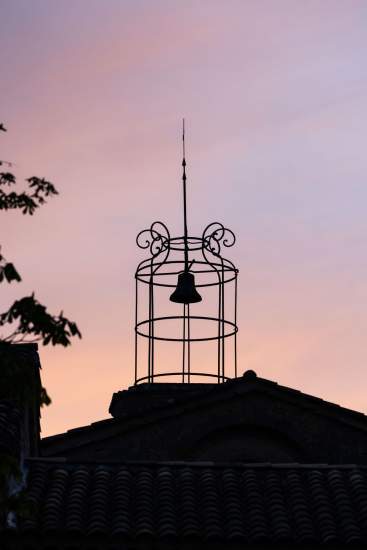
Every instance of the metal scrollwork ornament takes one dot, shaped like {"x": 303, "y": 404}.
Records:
{"x": 156, "y": 238}
{"x": 216, "y": 234}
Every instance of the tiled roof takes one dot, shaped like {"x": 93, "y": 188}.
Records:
{"x": 314, "y": 504}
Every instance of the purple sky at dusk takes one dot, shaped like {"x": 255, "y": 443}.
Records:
{"x": 274, "y": 95}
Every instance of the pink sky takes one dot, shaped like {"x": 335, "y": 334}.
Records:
{"x": 274, "y": 93}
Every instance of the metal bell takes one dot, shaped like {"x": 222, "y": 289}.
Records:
{"x": 185, "y": 292}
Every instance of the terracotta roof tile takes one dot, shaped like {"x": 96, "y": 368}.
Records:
{"x": 199, "y": 501}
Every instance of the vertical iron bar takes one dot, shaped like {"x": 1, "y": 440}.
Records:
{"x": 188, "y": 343}
{"x": 152, "y": 347}
{"x": 150, "y": 331}
{"x": 219, "y": 328}
{"x": 223, "y": 325}
{"x": 235, "y": 322}
{"x": 183, "y": 343}
{"x": 136, "y": 330}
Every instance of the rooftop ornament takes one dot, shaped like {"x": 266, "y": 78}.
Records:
{"x": 175, "y": 291}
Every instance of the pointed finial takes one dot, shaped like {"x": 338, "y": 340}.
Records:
{"x": 184, "y": 196}
{"x": 183, "y": 150}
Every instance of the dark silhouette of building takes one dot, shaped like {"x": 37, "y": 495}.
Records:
{"x": 247, "y": 463}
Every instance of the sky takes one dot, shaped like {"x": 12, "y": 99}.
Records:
{"x": 274, "y": 95}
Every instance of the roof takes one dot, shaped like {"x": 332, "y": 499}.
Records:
{"x": 197, "y": 502}
{"x": 162, "y": 416}
{"x": 208, "y": 393}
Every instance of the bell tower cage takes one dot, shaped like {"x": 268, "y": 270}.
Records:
{"x": 185, "y": 298}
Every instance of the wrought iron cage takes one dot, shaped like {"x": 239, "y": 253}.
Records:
{"x": 191, "y": 266}
{"x": 161, "y": 271}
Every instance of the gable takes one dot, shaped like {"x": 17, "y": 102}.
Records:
{"x": 247, "y": 419}
{"x": 247, "y": 443}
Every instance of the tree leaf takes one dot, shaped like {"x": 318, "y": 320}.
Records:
{"x": 11, "y": 274}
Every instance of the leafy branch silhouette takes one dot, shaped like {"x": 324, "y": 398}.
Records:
{"x": 33, "y": 322}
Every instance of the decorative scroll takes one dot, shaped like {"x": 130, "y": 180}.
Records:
{"x": 215, "y": 235}
{"x": 156, "y": 238}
